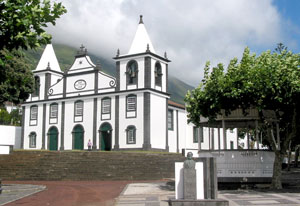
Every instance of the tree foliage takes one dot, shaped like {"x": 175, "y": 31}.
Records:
{"x": 12, "y": 118}
{"x": 22, "y": 26}
{"x": 23, "y": 22}
{"x": 270, "y": 81}
{"x": 16, "y": 79}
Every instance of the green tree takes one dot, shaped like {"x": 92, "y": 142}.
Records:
{"x": 22, "y": 26}
{"x": 23, "y": 22}
{"x": 16, "y": 78}
{"x": 15, "y": 117}
{"x": 270, "y": 81}
{"x": 4, "y": 117}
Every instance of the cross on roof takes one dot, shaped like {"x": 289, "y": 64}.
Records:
{"x": 82, "y": 50}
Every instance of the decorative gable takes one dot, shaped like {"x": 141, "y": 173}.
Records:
{"x": 82, "y": 62}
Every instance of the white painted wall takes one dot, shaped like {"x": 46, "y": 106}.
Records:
{"x": 141, "y": 77}
{"x": 111, "y": 121}
{"x": 87, "y": 122}
{"x": 158, "y": 121}
{"x": 163, "y": 70}
{"x": 89, "y": 88}
{"x": 83, "y": 64}
{"x": 138, "y": 122}
{"x": 172, "y": 133}
{"x": 105, "y": 82}
{"x": 49, "y": 125}
{"x": 38, "y": 128}
{"x": 57, "y": 89}
{"x": 10, "y": 135}
{"x": 189, "y": 137}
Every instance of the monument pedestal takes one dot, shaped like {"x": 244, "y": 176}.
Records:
{"x": 196, "y": 183}
{"x": 204, "y": 202}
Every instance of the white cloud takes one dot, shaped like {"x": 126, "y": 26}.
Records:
{"x": 192, "y": 32}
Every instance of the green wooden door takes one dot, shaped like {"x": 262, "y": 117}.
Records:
{"x": 78, "y": 137}
{"x": 53, "y": 138}
{"x": 105, "y": 136}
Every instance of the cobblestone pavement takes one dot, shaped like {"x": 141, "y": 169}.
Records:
{"x": 81, "y": 193}
{"x": 157, "y": 194}
{"x": 69, "y": 193}
{"x": 255, "y": 198}
{"x": 146, "y": 194}
{"x": 13, "y": 192}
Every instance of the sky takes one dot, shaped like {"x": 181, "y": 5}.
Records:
{"x": 191, "y": 32}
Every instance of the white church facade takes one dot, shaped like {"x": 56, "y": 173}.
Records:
{"x": 131, "y": 111}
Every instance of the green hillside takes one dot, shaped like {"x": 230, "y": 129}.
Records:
{"x": 65, "y": 55}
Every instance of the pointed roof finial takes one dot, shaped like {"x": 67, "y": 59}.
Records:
{"x": 118, "y": 53}
{"x": 166, "y": 57}
{"x": 48, "y": 66}
{"x": 98, "y": 65}
{"x": 141, "y": 19}
{"x": 148, "y": 49}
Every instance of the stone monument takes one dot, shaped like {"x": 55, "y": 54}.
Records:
{"x": 189, "y": 178}
{"x": 196, "y": 183}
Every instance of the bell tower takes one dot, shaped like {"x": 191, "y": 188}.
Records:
{"x": 142, "y": 77}
{"x": 141, "y": 67}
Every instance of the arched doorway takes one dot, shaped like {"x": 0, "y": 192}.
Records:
{"x": 53, "y": 138}
{"x": 78, "y": 134}
{"x": 105, "y": 137}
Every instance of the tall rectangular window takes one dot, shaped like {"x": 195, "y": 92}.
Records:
{"x": 131, "y": 103}
{"x": 195, "y": 134}
{"x": 32, "y": 140}
{"x": 53, "y": 110}
{"x": 106, "y": 106}
{"x": 131, "y": 106}
{"x": 78, "y": 111}
{"x": 131, "y": 134}
{"x": 79, "y": 108}
{"x": 53, "y": 113}
{"x": 170, "y": 120}
{"x": 33, "y": 113}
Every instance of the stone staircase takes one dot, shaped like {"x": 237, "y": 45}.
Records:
{"x": 83, "y": 165}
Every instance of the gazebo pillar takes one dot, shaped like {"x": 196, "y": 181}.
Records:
{"x": 200, "y": 137}
{"x": 224, "y": 134}
{"x": 248, "y": 141}
{"x": 219, "y": 139}
{"x": 278, "y": 136}
{"x": 213, "y": 138}
{"x": 256, "y": 134}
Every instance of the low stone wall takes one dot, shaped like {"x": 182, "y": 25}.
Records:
{"x": 83, "y": 165}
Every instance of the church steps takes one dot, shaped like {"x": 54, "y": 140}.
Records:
{"x": 47, "y": 165}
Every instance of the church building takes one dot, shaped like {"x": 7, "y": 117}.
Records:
{"x": 131, "y": 111}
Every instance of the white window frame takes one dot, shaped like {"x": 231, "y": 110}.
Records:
{"x": 77, "y": 110}
{"x": 32, "y": 140}
{"x": 34, "y": 112}
{"x": 131, "y": 134}
{"x": 106, "y": 106}
{"x": 53, "y": 112}
{"x": 170, "y": 119}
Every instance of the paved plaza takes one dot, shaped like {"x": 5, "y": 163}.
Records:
{"x": 13, "y": 192}
{"x": 81, "y": 193}
{"x": 157, "y": 194}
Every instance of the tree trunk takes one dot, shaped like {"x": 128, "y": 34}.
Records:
{"x": 296, "y": 156}
{"x": 276, "y": 179}
{"x": 289, "y": 156}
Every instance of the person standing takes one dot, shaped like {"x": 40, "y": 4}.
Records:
{"x": 90, "y": 144}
